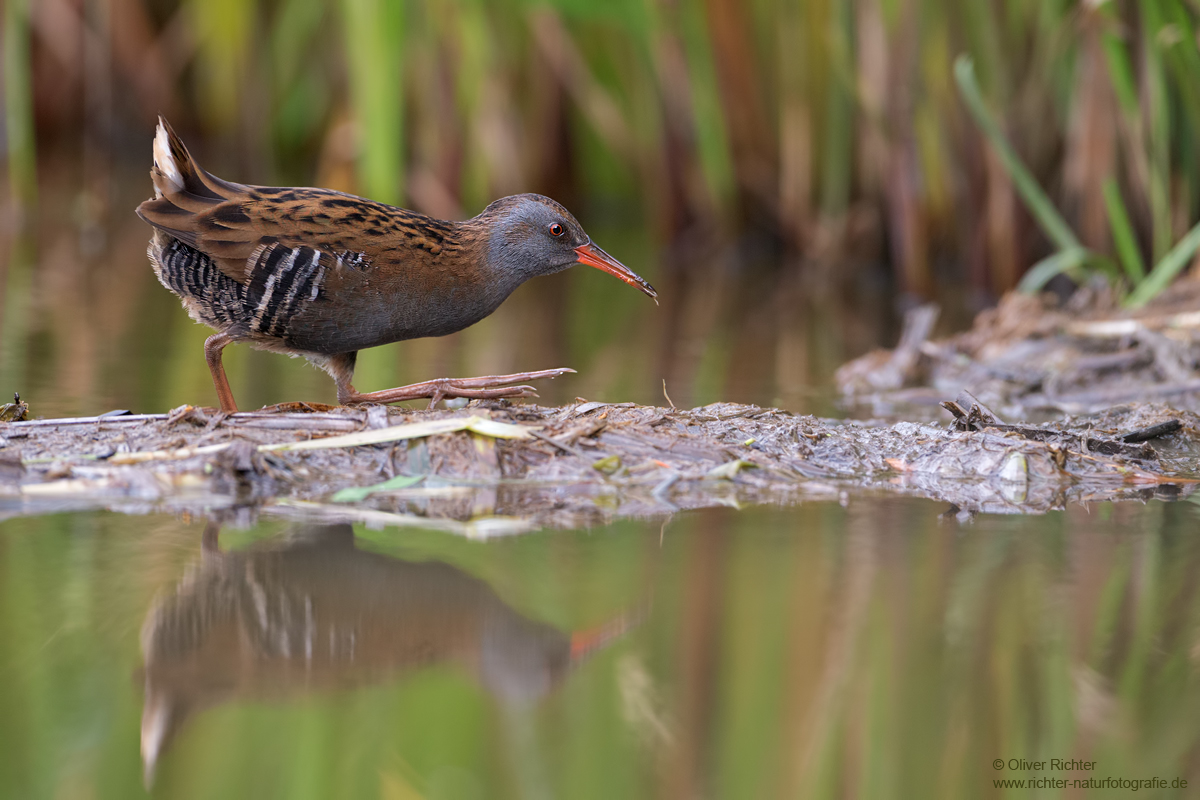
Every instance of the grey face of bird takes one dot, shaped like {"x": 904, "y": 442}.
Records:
{"x": 537, "y": 236}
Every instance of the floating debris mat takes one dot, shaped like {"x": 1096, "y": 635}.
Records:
{"x": 1032, "y": 356}
{"x": 494, "y": 467}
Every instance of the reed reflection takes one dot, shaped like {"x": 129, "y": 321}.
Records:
{"x": 312, "y": 612}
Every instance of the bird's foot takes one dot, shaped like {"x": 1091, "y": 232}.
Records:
{"x": 482, "y": 388}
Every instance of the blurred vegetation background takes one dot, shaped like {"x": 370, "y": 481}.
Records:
{"x": 761, "y": 154}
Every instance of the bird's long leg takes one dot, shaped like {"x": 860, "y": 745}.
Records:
{"x": 485, "y": 387}
{"x": 213, "y": 346}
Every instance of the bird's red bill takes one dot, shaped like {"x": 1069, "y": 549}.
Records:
{"x": 593, "y": 256}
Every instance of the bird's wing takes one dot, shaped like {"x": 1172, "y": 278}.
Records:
{"x": 235, "y": 224}
{"x": 238, "y": 226}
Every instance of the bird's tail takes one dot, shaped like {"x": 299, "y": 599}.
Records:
{"x": 169, "y": 153}
{"x": 187, "y": 208}
{"x": 178, "y": 178}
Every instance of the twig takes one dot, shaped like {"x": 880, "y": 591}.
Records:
{"x": 298, "y": 423}
{"x": 566, "y": 448}
{"x": 29, "y": 423}
{"x": 1152, "y": 431}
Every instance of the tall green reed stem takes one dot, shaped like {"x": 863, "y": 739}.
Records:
{"x": 18, "y": 106}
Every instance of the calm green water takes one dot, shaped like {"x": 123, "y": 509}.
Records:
{"x": 876, "y": 649}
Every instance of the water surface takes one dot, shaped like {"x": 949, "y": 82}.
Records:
{"x": 876, "y": 648}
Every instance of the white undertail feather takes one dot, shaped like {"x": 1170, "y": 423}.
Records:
{"x": 164, "y": 161}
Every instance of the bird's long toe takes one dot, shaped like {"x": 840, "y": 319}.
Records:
{"x": 487, "y": 387}
{"x": 494, "y": 381}
{"x": 451, "y": 391}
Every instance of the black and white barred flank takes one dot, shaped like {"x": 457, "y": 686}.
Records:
{"x": 212, "y": 296}
{"x": 282, "y": 280}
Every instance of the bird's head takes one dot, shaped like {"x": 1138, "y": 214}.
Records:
{"x": 533, "y": 235}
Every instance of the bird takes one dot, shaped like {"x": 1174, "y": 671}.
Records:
{"x": 323, "y": 274}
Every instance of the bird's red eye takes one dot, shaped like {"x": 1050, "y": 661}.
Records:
{"x": 557, "y": 230}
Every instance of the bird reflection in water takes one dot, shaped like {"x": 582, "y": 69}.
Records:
{"x": 314, "y": 612}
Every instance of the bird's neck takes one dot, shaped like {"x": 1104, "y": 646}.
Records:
{"x": 498, "y": 264}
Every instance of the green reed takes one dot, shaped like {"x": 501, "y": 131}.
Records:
{"x": 18, "y": 105}
{"x": 788, "y": 121}
{"x": 1071, "y": 255}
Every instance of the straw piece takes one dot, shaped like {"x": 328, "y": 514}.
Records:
{"x": 412, "y": 430}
